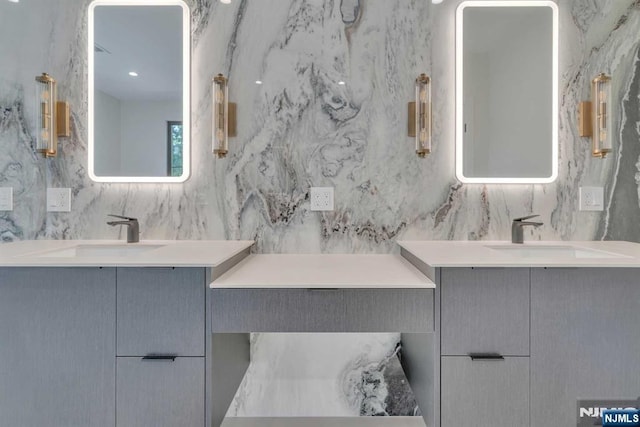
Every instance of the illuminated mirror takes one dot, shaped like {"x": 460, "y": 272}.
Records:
{"x": 139, "y": 108}
{"x": 507, "y": 91}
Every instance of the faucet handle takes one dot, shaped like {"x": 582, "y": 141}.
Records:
{"x": 123, "y": 217}
{"x": 525, "y": 218}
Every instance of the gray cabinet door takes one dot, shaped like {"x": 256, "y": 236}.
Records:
{"x": 485, "y": 310}
{"x": 57, "y": 347}
{"x": 160, "y": 393}
{"x": 485, "y": 393}
{"x": 585, "y": 340}
{"x": 161, "y": 310}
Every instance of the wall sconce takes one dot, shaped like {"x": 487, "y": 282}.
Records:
{"x": 594, "y": 117}
{"x": 420, "y": 116}
{"x": 52, "y": 116}
{"x": 224, "y": 116}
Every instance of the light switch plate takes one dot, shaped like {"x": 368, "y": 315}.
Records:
{"x": 58, "y": 200}
{"x": 6, "y": 198}
{"x": 321, "y": 198}
{"x": 591, "y": 199}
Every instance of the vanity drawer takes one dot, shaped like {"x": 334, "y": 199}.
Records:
{"x": 484, "y": 392}
{"x": 322, "y": 310}
{"x": 389, "y": 310}
{"x": 160, "y": 310}
{"x": 485, "y": 310}
{"x": 160, "y": 393}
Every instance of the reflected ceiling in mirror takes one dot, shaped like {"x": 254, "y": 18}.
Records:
{"x": 139, "y": 67}
{"x": 507, "y": 91}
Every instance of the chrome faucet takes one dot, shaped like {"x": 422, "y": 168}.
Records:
{"x": 517, "y": 228}
{"x": 133, "y": 228}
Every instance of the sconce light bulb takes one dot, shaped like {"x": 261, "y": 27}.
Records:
{"x": 45, "y": 95}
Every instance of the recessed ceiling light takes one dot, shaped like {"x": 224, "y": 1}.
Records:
{"x": 225, "y": 1}
{"x": 436, "y": 1}
{"x": 133, "y": 74}
{"x": 14, "y": 1}
{"x": 341, "y": 83}
{"x": 258, "y": 82}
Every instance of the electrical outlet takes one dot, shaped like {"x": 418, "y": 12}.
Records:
{"x": 321, "y": 198}
{"x": 6, "y": 199}
{"x": 58, "y": 200}
{"x": 591, "y": 199}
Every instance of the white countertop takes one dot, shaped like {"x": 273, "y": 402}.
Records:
{"x": 323, "y": 271}
{"x": 170, "y": 253}
{"x": 480, "y": 254}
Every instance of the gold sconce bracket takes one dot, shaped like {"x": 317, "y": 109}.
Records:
{"x": 411, "y": 131}
{"x": 232, "y": 125}
{"x": 63, "y": 121}
{"x": 585, "y": 124}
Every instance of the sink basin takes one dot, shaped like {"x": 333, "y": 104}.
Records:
{"x": 530, "y": 251}
{"x": 81, "y": 251}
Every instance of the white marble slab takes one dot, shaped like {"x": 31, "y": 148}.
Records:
{"x": 323, "y": 271}
{"x": 169, "y": 253}
{"x": 321, "y": 375}
{"x": 490, "y": 254}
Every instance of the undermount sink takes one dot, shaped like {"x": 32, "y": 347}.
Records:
{"x": 81, "y": 251}
{"x": 539, "y": 251}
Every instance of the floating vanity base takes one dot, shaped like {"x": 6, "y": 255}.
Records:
{"x": 318, "y": 293}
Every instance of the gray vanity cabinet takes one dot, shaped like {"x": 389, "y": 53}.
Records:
{"x": 161, "y": 311}
{"x": 57, "y": 347}
{"x": 160, "y": 393}
{"x": 485, "y": 310}
{"x": 487, "y": 393}
{"x": 484, "y": 332}
{"x": 585, "y": 340}
{"x": 161, "y": 347}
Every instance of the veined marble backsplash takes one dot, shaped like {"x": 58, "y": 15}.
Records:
{"x": 301, "y": 129}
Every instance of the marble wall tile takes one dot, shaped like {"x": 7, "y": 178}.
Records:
{"x": 301, "y": 128}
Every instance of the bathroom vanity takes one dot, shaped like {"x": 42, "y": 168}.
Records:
{"x": 525, "y": 331}
{"x": 317, "y": 293}
{"x": 157, "y": 333}
{"x": 100, "y": 333}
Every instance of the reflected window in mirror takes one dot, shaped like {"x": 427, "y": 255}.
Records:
{"x": 174, "y": 146}
{"x": 507, "y": 91}
{"x": 139, "y": 67}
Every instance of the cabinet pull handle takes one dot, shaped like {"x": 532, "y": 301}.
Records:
{"x": 170, "y": 357}
{"x": 323, "y": 289}
{"x": 492, "y": 357}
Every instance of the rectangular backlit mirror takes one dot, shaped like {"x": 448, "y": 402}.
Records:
{"x": 139, "y": 108}
{"x": 507, "y": 91}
